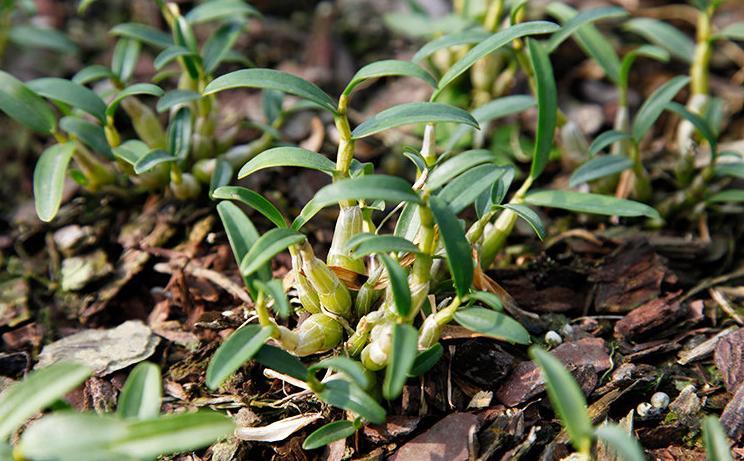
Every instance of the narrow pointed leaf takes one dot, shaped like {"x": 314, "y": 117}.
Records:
{"x": 648, "y": 51}
{"x": 180, "y": 132}
{"x": 491, "y": 44}
{"x": 490, "y": 111}
{"x": 459, "y": 252}
{"x": 599, "y": 167}
{"x": 530, "y": 217}
{"x": 143, "y": 33}
{"x": 221, "y": 176}
{"x": 40, "y": 389}
{"x": 153, "y": 159}
{"x": 329, "y": 433}
{"x": 733, "y": 31}
{"x": 176, "y": 97}
{"x": 402, "y": 357}
{"x": 445, "y": 172}
{"x": 727, "y": 196}
{"x": 71, "y": 436}
{"x": 605, "y": 139}
{"x": 92, "y": 73}
{"x": 88, "y": 133}
{"x": 489, "y": 299}
{"x": 275, "y": 289}
{"x": 171, "y": 54}
{"x": 412, "y": 113}
{"x": 389, "y": 68}
{"x": 581, "y": 19}
{"x": 267, "y": 246}
{"x": 425, "y": 360}
{"x": 237, "y": 349}
{"x": 49, "y": 179}
{"x": 717, "y": 446}
{"x": 30, "y": 36}
{"x": 465, "y": 189}
{"x": 220, "y": 9}
{"x": 350, "y": 368}
{"x": 142, "y": 392}
{"x": 287, "y": 156}
{"x": 253, "y": 200}
{"x": 242, "y": 235}
{"x": 655, "y": 104}
{"x": 71, "y": 93}
{"x": 664, "y": 36}
{"x": 467, "y": 37}
{"x": 348, "y": 396}
{"x": 547, "y": 106}
{"x": 699, "y": 122}
{"x": 566, "y": 397}
{"x": 24, "y": 106}
{"x": 369, "y": 188}
{"x": 734, "y": 169}
{"x": 590, "y": 203}
{"x": 272, "y": 80}
{"x": 218, "y": 45}
{"x": 283, "y": 362}
{"x": 125, "y": 57}
{"x": 380, "y": 244}
{"x": 492, "y": 323}
{"x": 130, "y": 152}
{"x": 133, "y": 90}
{"x": 622, "y": 443}
{"x": 398, "y": 279}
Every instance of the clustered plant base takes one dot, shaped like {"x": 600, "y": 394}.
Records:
{"x": 343, "y": 306}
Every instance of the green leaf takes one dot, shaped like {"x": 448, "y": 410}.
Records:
{"x": 281, "y": 361}
{"x": 220, "y": 9}
{"x": 219, "y": 44}
{"x": 143, "y": 33}
{"x": 581, "y": 19}
{"x": 29, "y": 36}
{"x": 412, "y": 113}
{"x": 372, "y": 187}
{"x": 142, "y": 392}
{"x": 388, "y": 68}
{"x": 237, "y": 349}
{"x": 170, "y": 54}
{"x": 269, "y": 245}
{"x": 125, "y": 57}
{"x": 398, "y": 279}
{"x": 700, "y": 123}
{"x": 590, "y": 40}
{"x": 348, "y": 396}
{"x": 547, "y": 106}
{"x": 648, "y": 51}
{"x": 489, "y": 299}
{"x": 88, "y": 133}
{"x": 530, "y": 217}
{"x": 329, "y": 433}
{"x": 425, "y": 360}
{"x": 133, "y": 90}
{"x": 173, "y": 433}
{"x": 498, "y": 108}
{"x": 459, "y": 252}
{"x": 455, "y": 166}
{"x": 622, "y": 443}
{"x": 350, "y": 368}
{"x": 242, "y": 235}
{"x": 253, "y": 200}
{"x": 40, "y": 389}
{"x": 599, "y": 167}
{"x": 366, "y": 244}
{"x": 717, "y": 446}
{"x": 275, "y": 289}
{"x": 49, "y": 179}
{"x": 491, "y": 44}
{"x": 465, "y": 189}
{"x": 287, "y": 156}
{"x": 467, "y": 37}
{"x": 131, "y": 151}
{"x": 24, "y": 106}
{"x": 605, "y": 139}
{"x": 92, "y": 73}
{"x": 655, "y": 104}
{"x": 734, "y": 169}
{"x": 177, "y": 97}
{"x": 71, "y": 93}
{"x": 664, "y": 36}
{"x": 272, "y": 80}
{"x": 590, "y": 203}
{"x": 726, "y": 196}
{"x": 402, "y": 356}
{"x": 567, "y": 399}
{"x": 180, "y": 132}
{"x": 733, "y": 31}
{"x": 152, "y": 159}
{"x": 221, "y": 176}
{"x": 497, "y": 194}
{"x": 493, "y": 324}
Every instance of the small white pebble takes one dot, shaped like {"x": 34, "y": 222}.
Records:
{"x": 644, "y": 409}
{"x": 660, "y": 400}
{"x": 553, "y": 339}
{"x": 567, "y": 330}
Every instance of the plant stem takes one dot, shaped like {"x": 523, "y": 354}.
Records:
{"x": 431, "y": 329}
{"x": 642, "y": 187}
{"x": 496, "y": 238}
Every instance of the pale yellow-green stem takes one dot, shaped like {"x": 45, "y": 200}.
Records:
{"x": 428, "y": 147}
{"x": 642, "y": 184}
{"x": 493, "y": 15}
{"x": 431, "y": 329}
{"x": 145, "y": 123}
{"x": 496, "y": 237}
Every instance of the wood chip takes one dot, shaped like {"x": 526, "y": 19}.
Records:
{"x": 651, "y": 317}
{"x": 729, "y": 358}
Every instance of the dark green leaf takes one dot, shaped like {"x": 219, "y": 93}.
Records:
{"x": 348, "y": 396}
{"x": 372, "y": 187}
{"x": 388, "y": 68}
{"x": 489, "y": 299}
{"x": 530, "y": 217}
{"x": 49, "y": 179}
{"x": 655, "y": 104}
{"x": 143, "y": 33}
{"x": 412, "y": 113}
{"x": 170, "y": 54}
{"x": 734, "y": 169}
{"x": 221, "y": 176}
{"x": 590, "y": 203}
{"x": 40, "y": 389}
{"x": 275, "y": 289}
{"x": 379, "y": 244}
{"x": 71, "y": 93}
{"x": 219, "y": 10}
{"x": 88, "y": 133}
{"x": 267, "y": 246}
{"x": 350, "y": 368}
{"x": 131, "y": 151}
{"x": 605, "y": 139}
{"x": 731, "y": 195}
{"x": 179, "y": 133}
{"x": 733, "y": 31}
{"x": 402, "y": 356}
{"x": 152, "y": 159}
{"x": 547, "y": 106}
{"x": 493, "y": 324}
{"x": 216, "y": 48}
{"x": 648, "y": 51}
{"x": 467, "y": 37}
{"x": 425, "y": 360}
{"x": 663, "y": 35}
{"x": 176, "y": 97}
{"x": 134, "y": 90}
{"x": 398, "y": 279}
{"x": 142, "y": 392}
{"x": 92, "y": 73}
{"x": 460, "y": 163}
{"x": 273, "y": 80}
{"x": 581, "y": 19}
{"x": 567, "y": 399}
{"x": 125, "y": 57}
{"x": 329, "y": 433}
{"x": 459, "y": 252}
{"x": 287, "y": 156}
{"x": 717, "y": 446}
{"x": 699, "y": 122}
{"x": 42, "y": 37}
{"x": 599, "y": 167}
{"x": 490, "y": 111}
{"x": 281, "y": 361}
{"x": 622, "y": 443}
{"x": 491, "y": 44}
{"x": 465, "y": 189}
{"x": 24, "y": 106}
{"x": 253, "y": 200}
{"x": 237, "y": 349}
